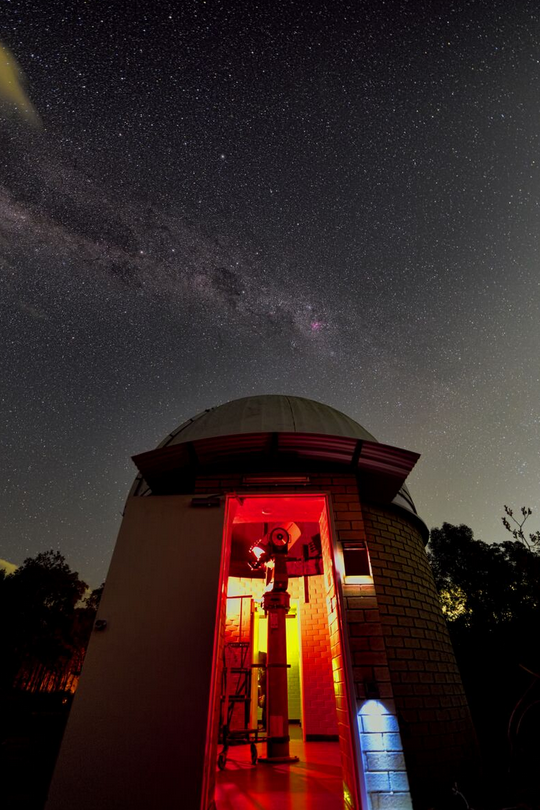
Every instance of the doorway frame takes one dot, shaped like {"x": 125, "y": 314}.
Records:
{"x": 355, "y": 798}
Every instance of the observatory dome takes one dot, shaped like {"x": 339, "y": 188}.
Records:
{"x": 269, "y": 413}
{"x": 270, "y": 430}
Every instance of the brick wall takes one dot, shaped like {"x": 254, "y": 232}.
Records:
{"x": 384, "y": 774}
{"x": 439, "y": 739}
{"x": 318, "y": 701}
{"x": 384, "y": 768}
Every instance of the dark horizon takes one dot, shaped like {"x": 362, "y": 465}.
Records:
{"x": 336, "y": 201}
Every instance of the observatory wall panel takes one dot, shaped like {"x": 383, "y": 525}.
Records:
{"x": 136, "y": 736}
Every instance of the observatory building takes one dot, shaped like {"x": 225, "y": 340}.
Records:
{"x": 269, "y": 590}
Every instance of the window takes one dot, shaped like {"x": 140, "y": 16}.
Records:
{"x": 356, "y": 559}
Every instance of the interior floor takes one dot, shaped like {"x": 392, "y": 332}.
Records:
{"x": 313, "y": 783}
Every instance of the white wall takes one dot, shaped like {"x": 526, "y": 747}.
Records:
{"x": 137, "y": 731}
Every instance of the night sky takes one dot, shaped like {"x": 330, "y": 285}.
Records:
{"x": 208, "y": 200}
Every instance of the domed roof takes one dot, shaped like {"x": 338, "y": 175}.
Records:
{"x": 270, "y": 413}
{"x": 271, "y": 432}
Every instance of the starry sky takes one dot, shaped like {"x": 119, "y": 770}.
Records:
{"x": 208, "y": 199}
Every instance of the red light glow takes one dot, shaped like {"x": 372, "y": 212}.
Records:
{"x": 320, "y": 629}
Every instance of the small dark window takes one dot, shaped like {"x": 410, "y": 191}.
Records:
{"x": 355, "y": 557}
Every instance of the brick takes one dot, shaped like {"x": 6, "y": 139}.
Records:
{"x": 402, "y": 631}
{"x": 372, "y": 742}
{"x": 384, "y": 761}
{"x": 343, "y": 524}
{"x": 359, "y": 643}
{"x": 358, "y": 524}
{"x": 416, "y": 665}
{"x": 364, "y": 602}
{"x": 399, "y": 781}
{"x": 379, "y": 781}
{"x": 382, "y": 673}
{"x": 392, "y": 742}
{"x": 375, "y": 659}
{"x": 385, "y": 600}
{"x": 374, "y": 629}
{"x": 391, "y": 801}
{"x": 350, "y": 513}
{"x": 376, "y": 643}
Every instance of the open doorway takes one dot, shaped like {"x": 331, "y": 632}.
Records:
{"x": 321, "y": 773}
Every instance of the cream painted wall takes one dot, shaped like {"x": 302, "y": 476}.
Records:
{"x": 137, "y": 730}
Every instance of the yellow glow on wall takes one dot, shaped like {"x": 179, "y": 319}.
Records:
{"x": 293, "y": 658}
{"x": 358, "y": 580}
{"x": 347, "y": 796}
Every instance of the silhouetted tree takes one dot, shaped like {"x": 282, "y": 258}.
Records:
{"x": 515, "y": 527}
{"x": 483, "y": 586}
{"x": 94, "y": 598}
{"x": 491, "y": 598}
{"x": 41, "y": 627}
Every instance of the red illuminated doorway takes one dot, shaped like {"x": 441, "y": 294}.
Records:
{"x": 325, "y": 775}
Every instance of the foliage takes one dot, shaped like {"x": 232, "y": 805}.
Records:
{"x": 94, "y": 598}
{"x": 484, "y": 586}
{"x": 532, "y": 540}
{"x": 43, "y": 624}
{"x": 490, "y": 594}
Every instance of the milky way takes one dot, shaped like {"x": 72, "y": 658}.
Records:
{"x": 332, "y": 200}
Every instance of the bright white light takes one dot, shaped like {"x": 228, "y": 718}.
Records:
{"x": 374, "y": 718}
{"x": 373, "y": 709}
